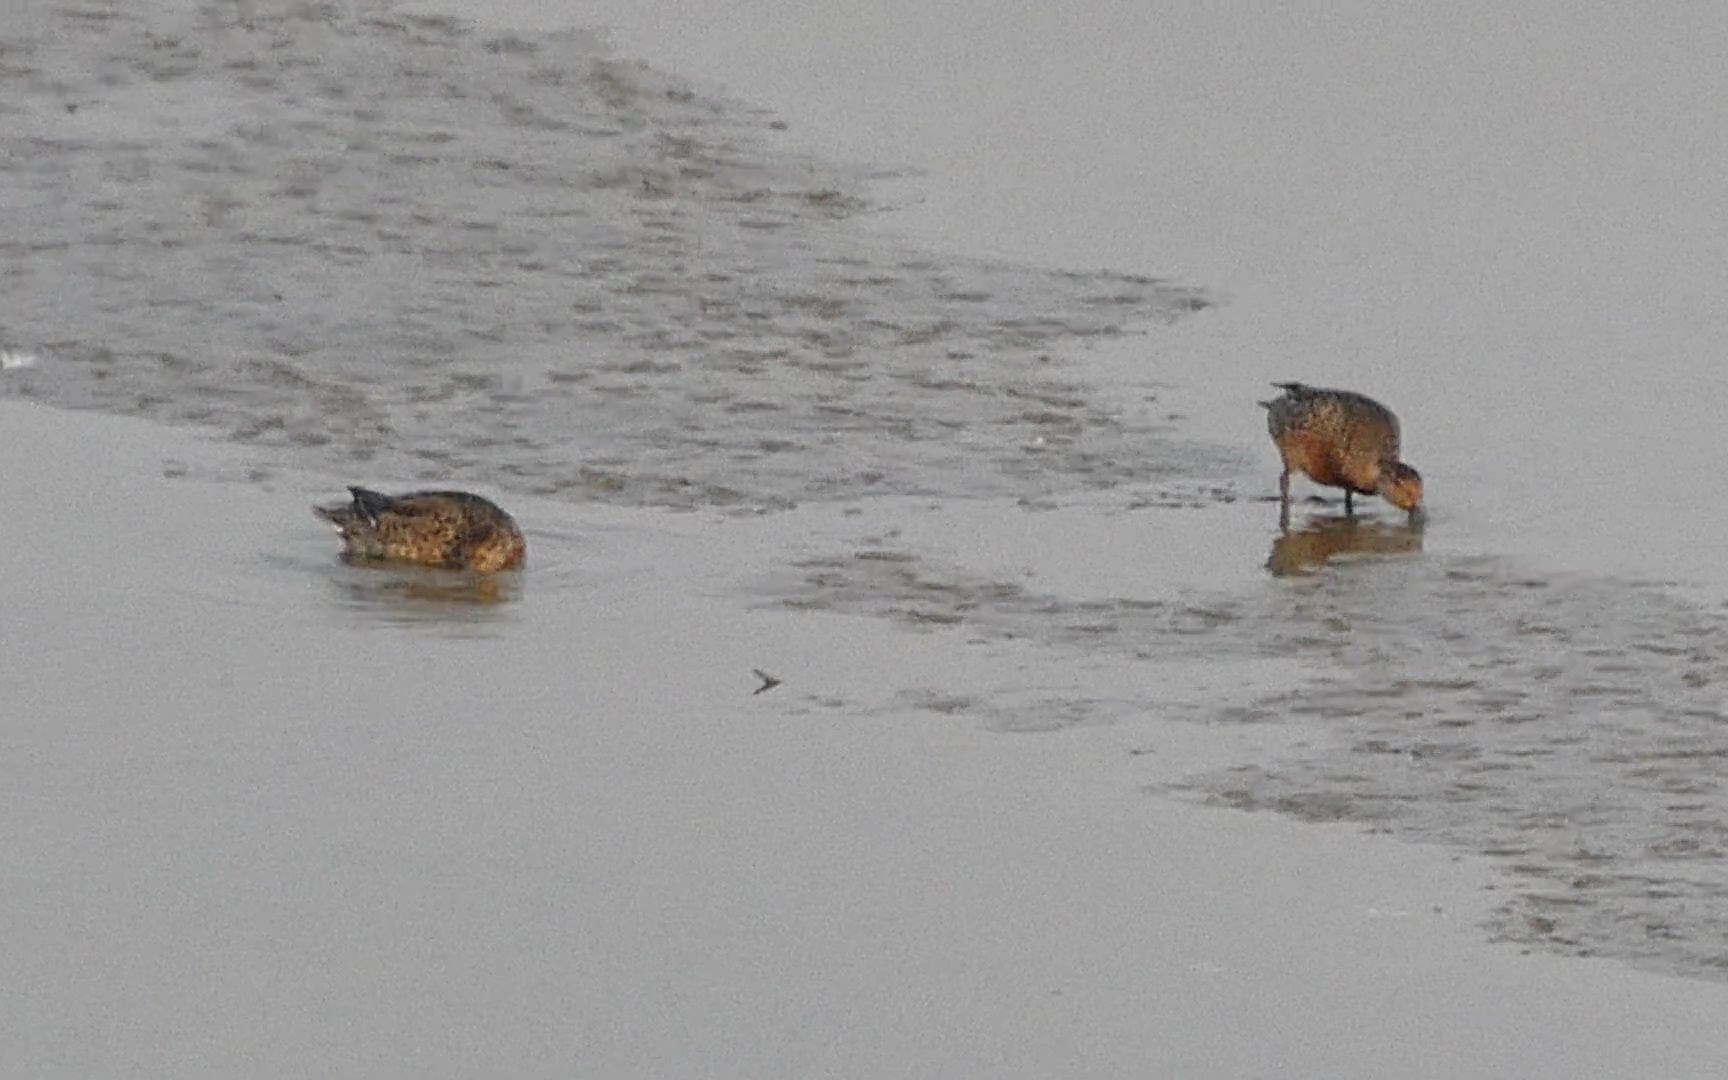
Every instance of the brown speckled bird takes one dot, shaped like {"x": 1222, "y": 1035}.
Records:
{"x": 1340, "y": 439}
{"x": 452, "y": 530}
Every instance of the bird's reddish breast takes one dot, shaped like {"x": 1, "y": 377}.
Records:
{"x": 1315, "y": 455}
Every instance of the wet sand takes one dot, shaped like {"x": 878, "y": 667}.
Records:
{"x": 274, "y": 815}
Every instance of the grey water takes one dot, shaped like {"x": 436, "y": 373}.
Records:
{"x": 392, "y": 247}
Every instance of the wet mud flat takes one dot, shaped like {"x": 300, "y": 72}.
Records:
{"x": 364, "y": 240}
{"x": 358, "y": 241}
{"x": 1570, "y": 728}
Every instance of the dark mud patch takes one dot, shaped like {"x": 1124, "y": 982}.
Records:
{"x": 398, "y": 246}
{"x": 1573, "y": 729}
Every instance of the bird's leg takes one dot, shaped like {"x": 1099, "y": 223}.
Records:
{"x": 1284, "y": 499}
{"x": 1349, "y": 508}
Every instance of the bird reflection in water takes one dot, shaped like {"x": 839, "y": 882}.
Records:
{"x": 411, "y": 595}
{"x": 1306, "y": 549}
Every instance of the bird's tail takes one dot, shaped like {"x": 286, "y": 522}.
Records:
{"x": 362, "y": 511}
{"x": 1291, "y": 389}
{"x": 340, "y": 516}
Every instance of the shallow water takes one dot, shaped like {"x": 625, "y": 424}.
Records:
{"x": 1571, "y": 727}
{"x": 258, "y": 824}
{"x": 398, "y": 247}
